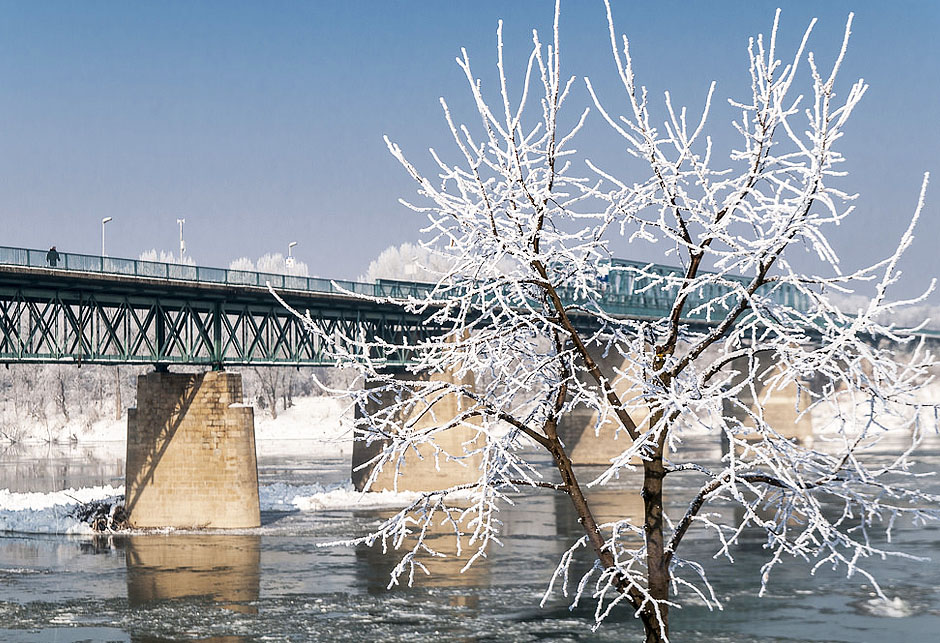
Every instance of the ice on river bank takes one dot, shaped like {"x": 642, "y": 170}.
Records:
{"x": 51, "y": 513}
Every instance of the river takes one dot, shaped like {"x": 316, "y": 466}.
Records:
{"x": 275, "y": 584}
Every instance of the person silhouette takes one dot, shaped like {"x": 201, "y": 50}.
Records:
{"x": 52, "y": 257}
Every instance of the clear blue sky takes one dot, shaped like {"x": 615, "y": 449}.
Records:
{"x": 261, "y": 123}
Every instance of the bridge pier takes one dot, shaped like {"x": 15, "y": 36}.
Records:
{"x": 589, "y": 445}
{"x": 191, "y": 459}
{"x": 585, "y": 442}
{"x": 780, "y": 407}
{"x": 424, "y": 472}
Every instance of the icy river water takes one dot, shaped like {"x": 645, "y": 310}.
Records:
{"x": 276, "y": 584}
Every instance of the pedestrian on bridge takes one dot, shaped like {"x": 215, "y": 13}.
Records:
{"x": 52, "y": 257}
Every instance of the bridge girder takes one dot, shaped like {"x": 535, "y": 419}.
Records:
{"x": 69, "y": 324}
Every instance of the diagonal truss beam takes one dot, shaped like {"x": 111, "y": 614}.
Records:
{"x": 67, "y": 324}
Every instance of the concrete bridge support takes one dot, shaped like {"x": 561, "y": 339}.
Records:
{"x": 424, "y": 472}
{"x": 780, "y": 407}
{"x": 588, "y": 445}
{"x": 191, "y": 459}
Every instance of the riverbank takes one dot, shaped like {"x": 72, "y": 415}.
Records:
{"x": 325, "y": 420}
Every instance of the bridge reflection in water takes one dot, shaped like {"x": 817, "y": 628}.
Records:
{"x": 223, "y": 568}
{"x": 539, "y": 528}
{"x": 446, "y": 569}
{"x": 137, "y": 638}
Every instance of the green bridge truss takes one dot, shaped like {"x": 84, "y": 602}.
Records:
{"x": 92, "y": 309}
{"x": 70, "y": 316}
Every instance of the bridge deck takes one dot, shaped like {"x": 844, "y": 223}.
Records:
{"x": 67, "y": 316}
{"x": 92, "y": 309}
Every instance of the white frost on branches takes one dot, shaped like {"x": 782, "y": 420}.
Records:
{"x": 528, "y": 327}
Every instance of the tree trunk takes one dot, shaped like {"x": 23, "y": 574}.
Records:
{"x": 657, "y": 626}
{"x": 272, "y": 400}
{"x": 118, "y": 405}
{"x": 657, "y": 574}
{"x": 61, "y": 401}
{"x": 648, "y": 617}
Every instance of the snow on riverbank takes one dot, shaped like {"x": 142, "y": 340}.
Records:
{"x": 327, "y": 422}
{"x": 50, "y": 513}
{"x": 284, "y": 497}
{"x": 322, "y": 419}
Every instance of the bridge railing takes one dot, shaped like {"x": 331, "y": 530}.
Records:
{"x": 33, "y": 258}
{"x": 631, "y": 288}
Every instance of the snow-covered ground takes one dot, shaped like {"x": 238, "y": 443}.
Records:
{"x": 323, "y": 420}
{"x": 327, "y": 421}
{"x": 316, "y": 497}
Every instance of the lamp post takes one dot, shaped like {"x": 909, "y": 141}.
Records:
{"x": 103, "y": 221}
{"x": 290, "y": 257}
{"x": 182, "y": 243}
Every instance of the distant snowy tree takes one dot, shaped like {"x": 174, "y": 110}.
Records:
{"x": 166, "y": 257}
{"x": 280, "y": 265}
{"x": 408, "y": 262}
{"x": 56, "y": 402}
{"x": 276, "y": 264}
{"x": 423, "y": 262}
{"x": 523, "y": 301}
{"x": 242, "y": 263}
{"x": 275, "y": 384}
{"x": 916, "y": 315}
{"x": 273, "y": 387}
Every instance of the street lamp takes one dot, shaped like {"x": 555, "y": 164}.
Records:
{"x": 290, "y": 258}
{"x": 103, "y": 221}
{"x": 182, "y": 243}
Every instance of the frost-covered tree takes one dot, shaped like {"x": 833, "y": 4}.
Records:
{"x": 56, "y": 401}
{"x": 242, "y": 263}
{"x": 273, "y": 384}
{"x": 533, "y": 335}
{"x": 409, "y": 262}
{"x": 420, "y": 262}
{"x": 276, "y": 264}
{"x": 166, "y": 257}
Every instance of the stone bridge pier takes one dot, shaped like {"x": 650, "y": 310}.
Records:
{"x": 780, "y": 407}
{"x": 421, "y": 471}
{"x": 191, "y": 459}
{"x": 588, "y": 444}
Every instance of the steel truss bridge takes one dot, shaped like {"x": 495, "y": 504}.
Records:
{"x": 105, "y": 310}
